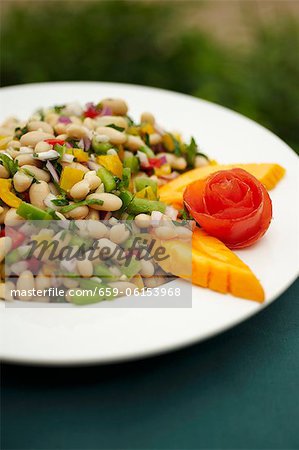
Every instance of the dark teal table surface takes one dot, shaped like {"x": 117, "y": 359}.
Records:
{"x": 239, "y": 390}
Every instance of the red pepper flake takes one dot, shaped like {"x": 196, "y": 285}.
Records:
{"x": 91, "y": 111}
{"x": 155, "y": 162}
{"x": 55, "y": 141}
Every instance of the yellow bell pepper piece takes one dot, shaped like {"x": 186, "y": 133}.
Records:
{"x": 168, "y": 142}
{"x": 80, "y": 155}
{"x": 165, "y": 169}
{"x": 147, "y": 193}
{"x": 111, "y": 163}
{"x": 147, "y": 128}
{"x": 4, "y": 140}
{"x": 69, "y": 177}
{"x": 6, "y": 195}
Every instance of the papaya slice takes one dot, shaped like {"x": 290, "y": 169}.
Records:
{"x": 214, "y": 266}
{"x": 172, "y": 192}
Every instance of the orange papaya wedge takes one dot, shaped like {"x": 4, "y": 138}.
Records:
{"x": 172, "y": 192}
{"x": 213, "y": 266}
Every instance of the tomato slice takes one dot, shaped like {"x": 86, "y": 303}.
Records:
{"x": 231, "y": 205}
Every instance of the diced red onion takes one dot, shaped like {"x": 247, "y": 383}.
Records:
{"x": 52, "y": 171}
{"x": 106, "y": 111}
{"x": 81, "y": 143}
{"x": 107, "y": 215}
{"x": 163, "y": 159}
{"x": 68, "y": 145}
{"x": 68, "y": 158}
{"x": 87, "y": 143}
{"x": 64, "y": 119}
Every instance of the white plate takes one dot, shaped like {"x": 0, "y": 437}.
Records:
{"x": 87, "y": 335}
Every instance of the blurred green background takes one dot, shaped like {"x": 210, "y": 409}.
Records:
{"x": 241, "y": 54}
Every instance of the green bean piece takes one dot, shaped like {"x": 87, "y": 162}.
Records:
{"x": 126, "y": 197}
{"x": 102, "y": 271}
{"x": 132, "y": 268}
{"x": 100, "y": 148}
{"x": 107, "y": 179}
{"x": 30, "y": 212}
{"x": 140, "y": 205}
{"x": 148, "y": 151}
{"x": 143, "y": 182}
{"x": 132, "y": 163}
{"x": 126, "y": 176}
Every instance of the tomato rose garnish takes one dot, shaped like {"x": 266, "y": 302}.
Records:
{"x": 231, "y": 205}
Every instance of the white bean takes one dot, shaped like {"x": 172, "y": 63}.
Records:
{"x": 42, "y": 146}
{"x": 21, "y": 181}
{"x": 14, "y": 144}
{"x": 134, "y": 142}
{"x": 115, "y": 137}
{"x": 38, "y": 125}
{"x": 117, "y": 106}
{"x": 112, "y": 120}
{"x": 78, "y": 213}
{"x": 80, "y": 190}
{"x": 111, "y": 201}
{"x": 60, "y": 128}
{"x": 26, "y": 158}
{"x": 147, "y": 268}
{"x": 25, "y": 282}
{"x": 147, "y": 117}
{"x": 42, "y": 282}
{"x": 155, "y": 139}
{"x": 37, "y": 194}
{"x": 39, "y": 174}
{"x": 33, "y": 137}
{"x": 143, "y": 220}
{"x": 165, "y": 232}
{"x": 12, "y": 218}
{"x": 92, "y": 179}
{"x": 5, "y": 246}
{"x": 201, "y": 161}
{"x": 96, "y": 229}
{"x": 85, "y": 268}
{"x": 51, "y": 118}
{"x": 119, "y": 233}
{"x": 76, "y": 131}
{"x": 89, "y": 123}
{"x": 4, "y": 172}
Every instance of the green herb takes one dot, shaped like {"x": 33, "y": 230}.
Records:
{"x": 10, "y": 165}
{"x": 30, "y": 174}
{"x": 130, "y": 121}
{"x": 191, "y": 151}
{"x": 177, "y": 146}
{"x": 184, "y": 214}
{"x": 75, "y": 205}
{"x": 61, "y": 191}
{"x": 60, "y": 201}
{"x": 147, "y": 139}
{"x": 20, "y": 131}
{"x": 59, "y": 108}
{"x": 115, "y": 127}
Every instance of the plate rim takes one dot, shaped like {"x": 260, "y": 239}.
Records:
{"x": 131, "y": 356}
